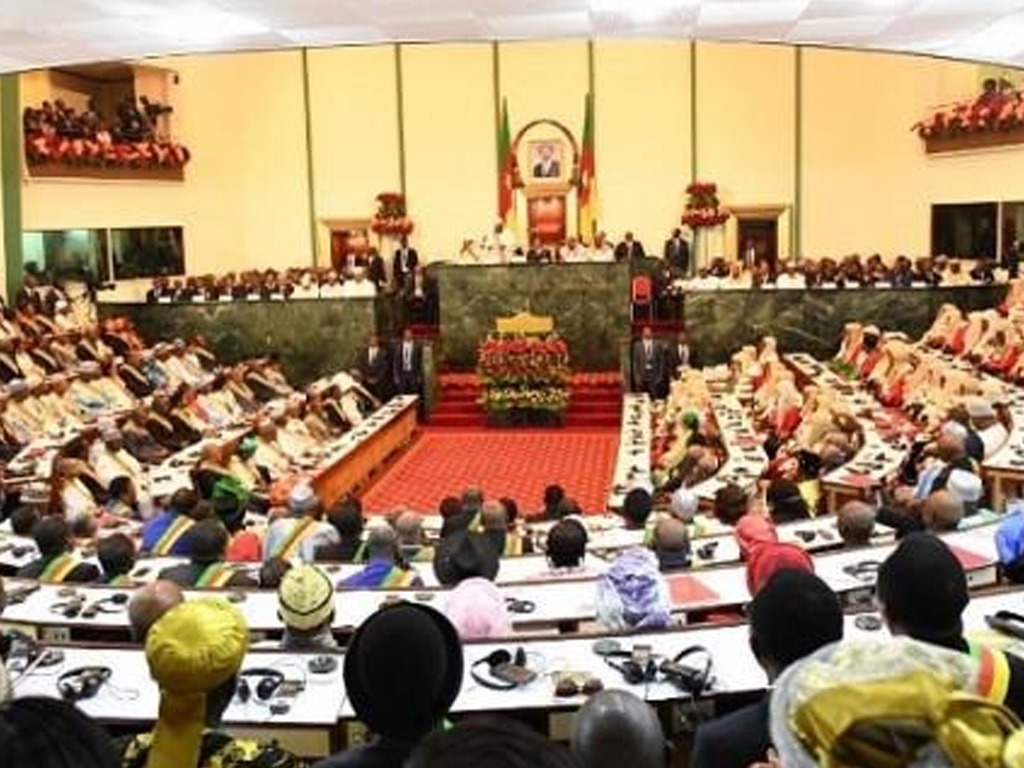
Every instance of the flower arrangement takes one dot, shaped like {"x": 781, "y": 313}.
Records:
{"x": 972, "y": 117}
{"x": 702, "y": 206}
{"x": 102, "y": 152}
{"x": 391, "y": 217}
{"x": 522, "y": 372}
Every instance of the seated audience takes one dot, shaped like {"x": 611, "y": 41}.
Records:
{"x": 495, "y": 522}
{"x": 58, "y": 562}
{"x": 148, "y": 603}
{"x": 403, "y": 670}
{"x": 671, "y": 544}
{"x": 165, "y": 534}
{"x": 412, "y": 542}
{"x": 465, "y": 555}
{"x": 731, "y": 503}
{"x": 856, "y": 523}
{"x": 922, "y": 591}
{"x": 305, "y": 603}
{"x": 632, "y": 594}
{"x": 770, "y": 558}
{"x": 636, "y": 508}
{"x": 791, "y": 616}
{"x": 116, "y": 554}
{"x": 383, "y": 568}
{"x": 616, "y": 728}
{"x": 303, "y": 532}
{"x": 785, "y": 502}
{"x": 206, "y": 545}
{"x": 566, "y": 547}
{"x": 477, "y": 609}
{"x": 50, "y": 733}
{"x": 493, "y": 741}
{"x": 346, "y": 517}
{"x": 195, "y": 652}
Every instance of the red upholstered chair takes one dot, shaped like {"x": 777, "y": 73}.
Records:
{"x": 643, "y": 295}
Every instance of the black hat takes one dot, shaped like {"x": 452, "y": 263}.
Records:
{"x": 403, "y": 670}
{"x": 923, "y": 588}
{"x": 637, "y": 505}
{"x": 463, "y": 555}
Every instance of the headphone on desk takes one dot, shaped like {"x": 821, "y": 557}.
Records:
{"x": 505, "y": 670}
{"x": 82, "y": 683}
{"x": 691, "y": 680}
{"x": 266, "y": 686}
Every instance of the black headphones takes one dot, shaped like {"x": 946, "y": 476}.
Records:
{"x": 633, "y": 672}
{"x": 513, "y": 605}
{"x": 691, "y": 680}
{"x": 82, "y": 683}
{"x": 506, "y": 671}
{"x": 269, "y": 681}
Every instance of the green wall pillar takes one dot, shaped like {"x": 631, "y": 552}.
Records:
{"x": 10, "y": 176}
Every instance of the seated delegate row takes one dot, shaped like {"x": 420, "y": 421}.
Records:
{"x": 554, "y": 604}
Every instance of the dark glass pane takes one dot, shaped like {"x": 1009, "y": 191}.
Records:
{"x": 147, "y": 252}
{"x": 66, "y": 254}
{"x": 964, "y": 230}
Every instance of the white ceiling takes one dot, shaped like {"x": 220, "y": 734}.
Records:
{"x": 48, "y": 32}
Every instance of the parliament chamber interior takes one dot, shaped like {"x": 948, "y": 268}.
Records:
{"x": 492, "y": 384}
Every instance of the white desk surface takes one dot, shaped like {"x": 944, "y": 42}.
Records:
{"x": 633, "y": 459}
{"x": 131, "y": 694}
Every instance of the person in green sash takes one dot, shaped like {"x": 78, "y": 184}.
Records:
{"x": 57, "y": 561}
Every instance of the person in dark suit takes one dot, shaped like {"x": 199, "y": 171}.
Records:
{"x": 794, "y": 614}
{"x": 547, "y": 165}
{"x": 376, "y": 272}
{"x": 629, "y": 249}
{"x": 375, "y": 368}
{"x": 677, "y": 354}
{"x": 407, "y": 365}
{"x": 677, "y": 253}
{"x": 648, "y": 364}
{"x": 404, "y": 264}
{"x": 57, "y": 561}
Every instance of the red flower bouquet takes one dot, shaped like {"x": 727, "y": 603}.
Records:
{"x": 702, "y": 207}
{"x": 391, "y": 217}
{"x": 524, "y": 372}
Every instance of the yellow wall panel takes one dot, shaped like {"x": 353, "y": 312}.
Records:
{"x": 745, "y": 104}
{"x": 243, "y": 203}
{"x": 450, "y": 144}
{"x": 354, "y": 114}
{"x": 642, "y": 108}
{"x": 545, "y": 80}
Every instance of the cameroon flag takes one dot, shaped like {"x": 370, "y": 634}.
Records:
{"x": 506, "y": 196}
{"x": 590, "y": 210}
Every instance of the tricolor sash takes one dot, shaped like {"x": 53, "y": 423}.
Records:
{"x": 399, "y": 577}
{"x": 58, "y": 569}
{"x": 178, "y": 528}
{"x": 993, "y": 672}
{"x": 513, "y": 545}
{"x": 215, "y": 575}
{"x": 302, "y": 529}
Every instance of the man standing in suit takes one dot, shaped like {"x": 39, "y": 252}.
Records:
{"x": 375, "y": 367}
{"x": 407, "y": 365}
{"x": 375, "y": 269}
{"x": 629, "y": 249}
{"x": 677, "y": 253}
{"x": 677, "y": 356}
{"x": 405, "y": 263}
{"x": 648, "y": 364}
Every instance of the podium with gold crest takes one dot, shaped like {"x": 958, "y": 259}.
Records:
{"x": 524, "y": 368}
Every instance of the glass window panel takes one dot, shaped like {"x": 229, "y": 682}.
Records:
{"x": 147, "y": 252}
{"x": 66, "y": 254}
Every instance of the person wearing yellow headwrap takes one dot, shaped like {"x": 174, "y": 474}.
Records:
{"x": 194, "y": 652}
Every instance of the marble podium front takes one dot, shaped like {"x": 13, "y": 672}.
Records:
{"x": 588, "y": 302}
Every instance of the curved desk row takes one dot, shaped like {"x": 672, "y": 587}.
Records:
{"x": 556, "y": 605}
{"x": 130, "y": 697}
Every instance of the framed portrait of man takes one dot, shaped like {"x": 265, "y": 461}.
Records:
{"x": 547, "y": 161}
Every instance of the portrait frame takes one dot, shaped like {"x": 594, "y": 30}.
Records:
{"x": 547, "y": 161}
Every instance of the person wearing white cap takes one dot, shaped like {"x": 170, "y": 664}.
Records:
{"x": 991, "y": 431}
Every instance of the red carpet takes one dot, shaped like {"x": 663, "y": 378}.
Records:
{"x": 517, "y": 463}
{"x": 595, "y": 401}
